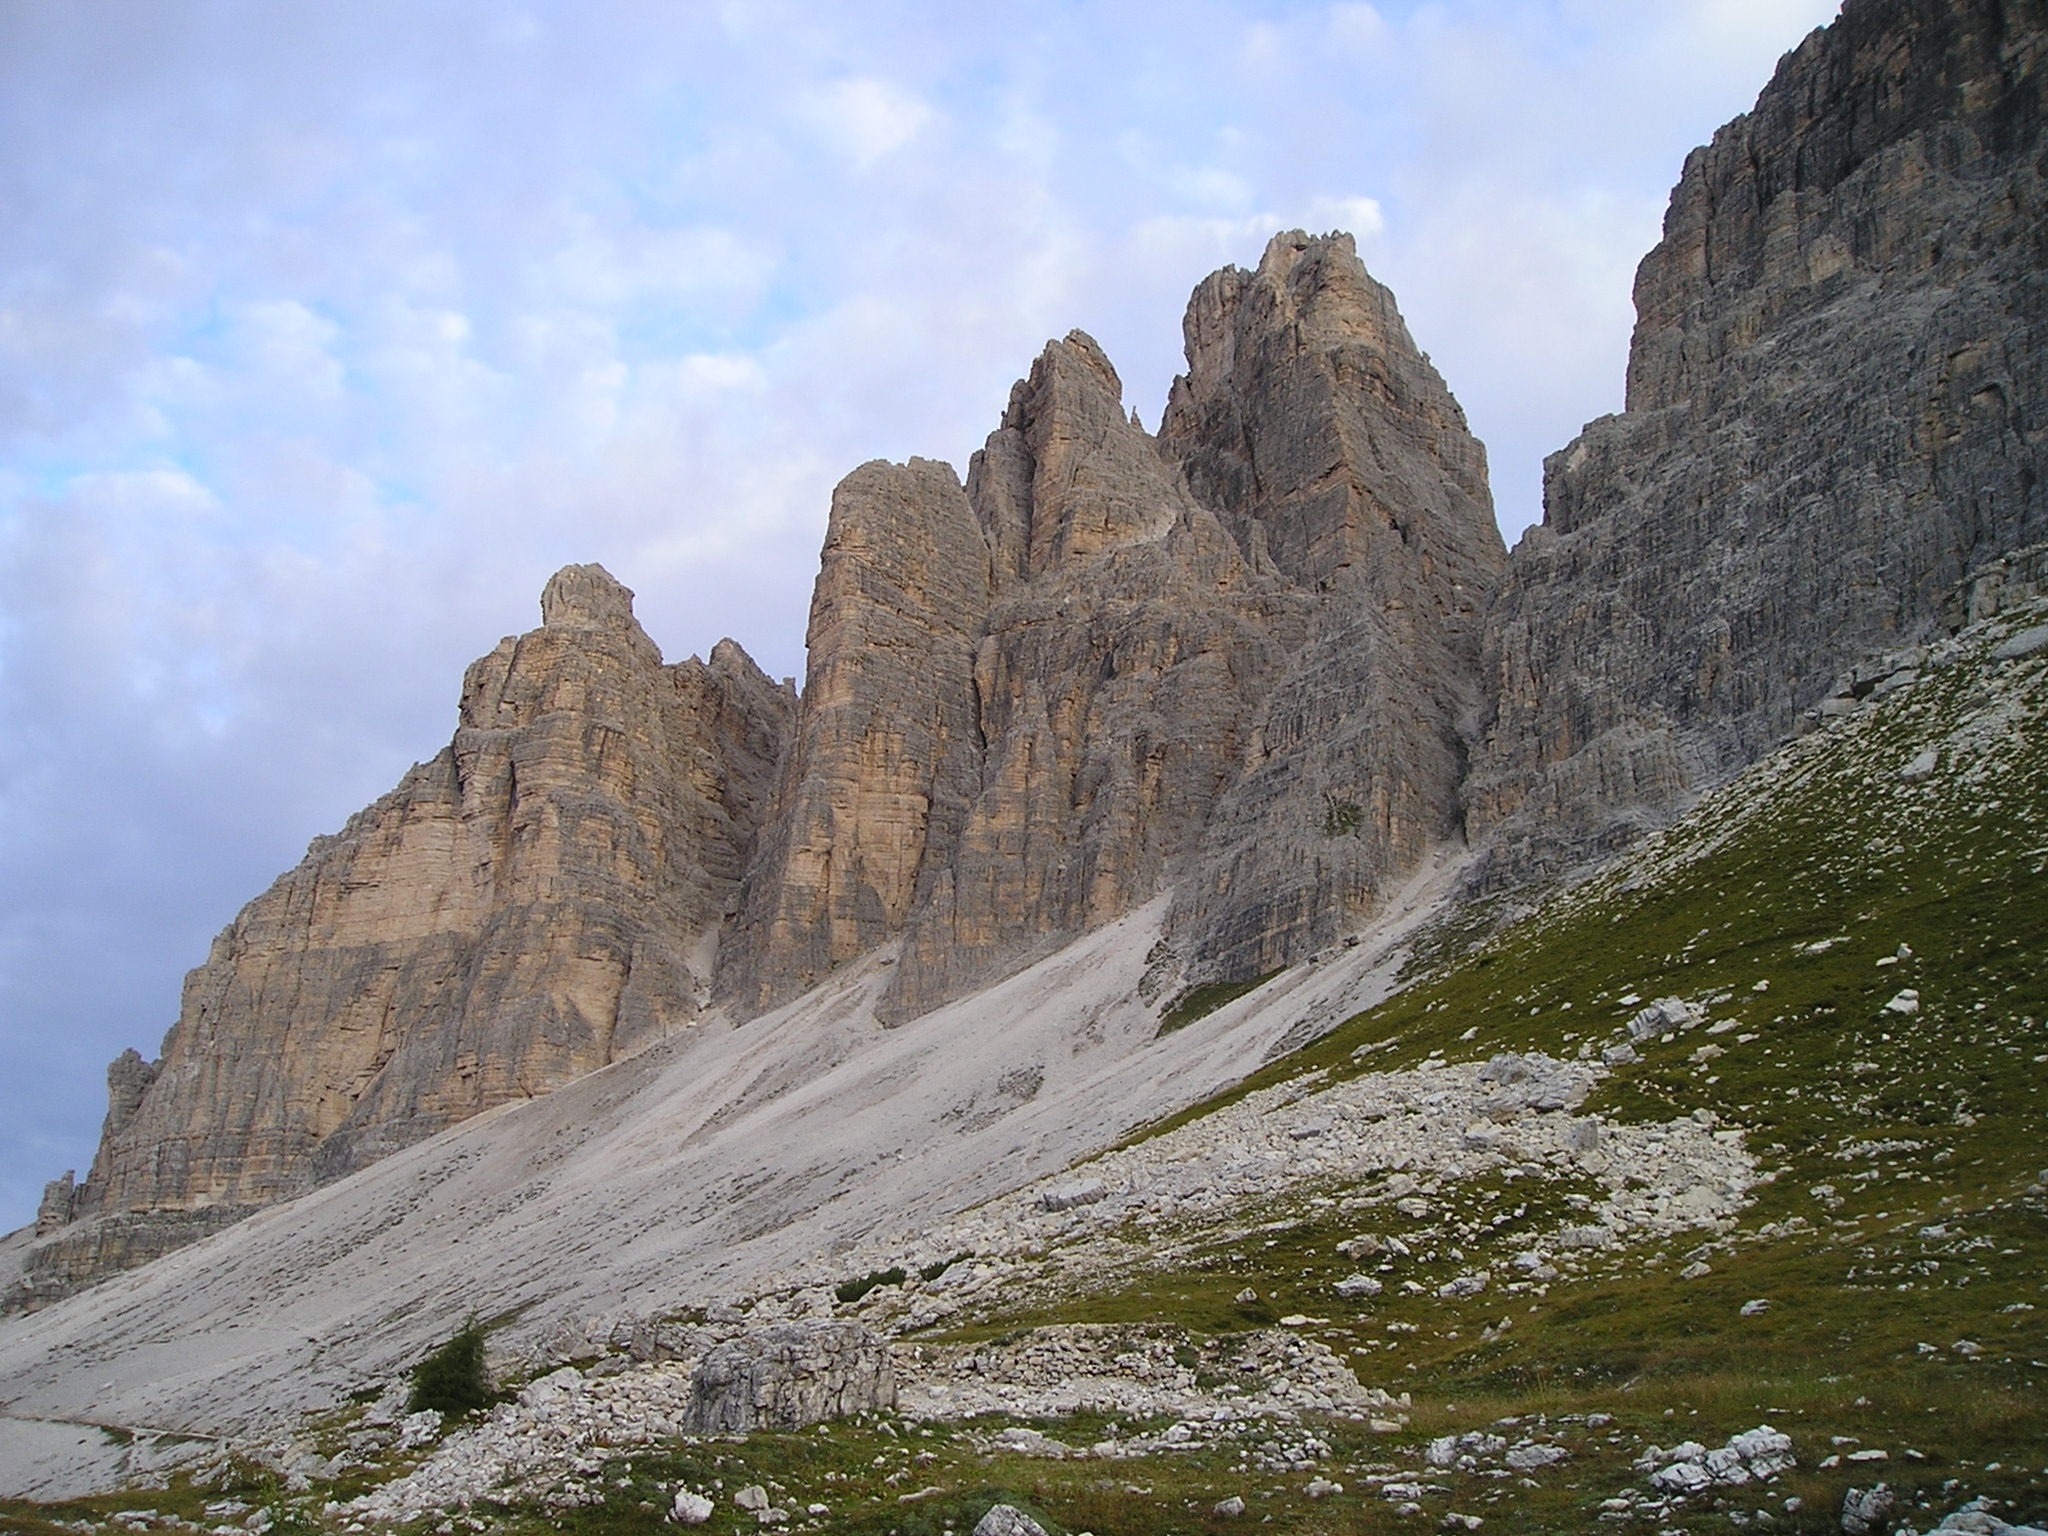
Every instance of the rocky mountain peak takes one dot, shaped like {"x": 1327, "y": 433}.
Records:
{"x": 1308, "y": 409}
{"x": 586, "y": 597}
{"x": 1067, "y": 475}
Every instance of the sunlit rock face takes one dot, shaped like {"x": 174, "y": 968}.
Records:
{"x": 1835, "y": 414}
{"x": 541, "y": 898}
{"x": 1230, "y": 660}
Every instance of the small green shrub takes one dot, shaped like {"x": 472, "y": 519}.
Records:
{"x": 452, "y": 1378}
{"x": 852, "y": 1290}
{"x": 1200, "y": 1002}
{"x": 1341, "y": 818}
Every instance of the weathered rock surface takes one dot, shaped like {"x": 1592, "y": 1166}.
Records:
{"x": 1116, "y": 679}
{"x": 887, "y": 746}
{"x": 1310, "y": 417}
{"x": 1233, "y": 657}
{"x": 788, "y": 1376}
{"x": 1837, "y": 411}
{"x": 538, "y": 900}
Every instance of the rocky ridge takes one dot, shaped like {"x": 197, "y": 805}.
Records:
{"x": 1257, "y": 662}
{"x": 1512, "y": 1196}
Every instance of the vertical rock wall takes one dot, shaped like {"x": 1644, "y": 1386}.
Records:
{"x": 1837, "y": 409}
{"x": 887, "y": 744}
{"x": 1311, "y": 419}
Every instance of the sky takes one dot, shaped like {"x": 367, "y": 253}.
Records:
{"x": 329, "y": 330}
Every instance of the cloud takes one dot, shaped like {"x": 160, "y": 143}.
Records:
{"x": 865, "y": 119}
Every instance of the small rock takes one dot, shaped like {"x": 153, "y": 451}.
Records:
{"x": 1755, "y": 1308}
{"x": 1065, "y": 1197}
{"x": 1867, "y": 1511}
{"x": 690, "y": 1508}
{"x": 1682, "y": 1477}
{"x": 1527, "y": 1458}
{"x": 1906, "y": 1004}
{"x": 2028, "y": 642}
{"x": 1322, "y": 1488}
{"x": 1007, "y": 1520}
{"x": 1698, "y": 1269}
{"x": 752, "y": 1497}
{"x": 1247, "y": 1296}
{"x": 1921, "y": 768}
{"x": 1228, "y": 1509}
{"x": 1666, "y": 1013}
{"x": 1352, "y": 1287}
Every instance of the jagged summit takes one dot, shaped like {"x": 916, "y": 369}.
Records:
{"x": 587, "y": 597}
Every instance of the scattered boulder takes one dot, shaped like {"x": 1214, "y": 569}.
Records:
{"x": 1066, "y": 1197}
{"x": 1973, "y": 1519}
{"x": 1867, "y": 1511}
{"x": 1661, "y": 1017}
{"x": 2028, "y": 642}
{"x": 1007, "y": 1520}
{"x": 690, "y": 1508}
{"x": 1228, "y": 1509}
{"x": 1754, "y": 1455}
{"x": 789, "y": 1375}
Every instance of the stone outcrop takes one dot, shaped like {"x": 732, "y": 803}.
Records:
{"x": 790, "y": 1375}
{"x": 1837, "y": 412}
{"x": 538, "y": 900}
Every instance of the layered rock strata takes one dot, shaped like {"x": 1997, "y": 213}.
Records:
{"x": 1231, "y": 659}
{"x": 538, "y": 900}
{"x": 1309, "y": 416}
{"x": 1837, "y": 412}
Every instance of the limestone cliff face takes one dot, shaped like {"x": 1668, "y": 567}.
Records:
{"x": 1311, "y": 419}
{"x": 887, "y": 741}
{"x": 1230, "y": 660}
{"x": 541, "y": 898}
{"x": 1116, "y": 678}
{"x": 1836, "y": 412}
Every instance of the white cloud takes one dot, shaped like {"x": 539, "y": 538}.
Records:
{"x": 1357, "y": 27}
{"x": 865, "y": 119}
